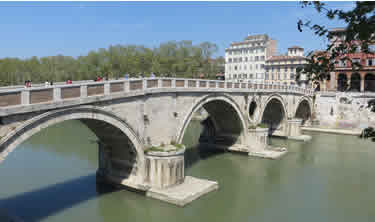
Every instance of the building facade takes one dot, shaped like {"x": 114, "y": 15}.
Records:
{"x": 245, "y": 61}
{"x": 282, "y": 69}
{"x": 344, "y": 78}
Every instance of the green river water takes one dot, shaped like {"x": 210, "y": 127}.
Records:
{"x": 51, "y": 177}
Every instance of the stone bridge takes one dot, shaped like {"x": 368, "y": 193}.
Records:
{"x": 140, "y": 123}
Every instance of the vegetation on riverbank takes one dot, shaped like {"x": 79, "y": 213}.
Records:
{"x": 369, "y": 132}
{"x": 173, "y": 58}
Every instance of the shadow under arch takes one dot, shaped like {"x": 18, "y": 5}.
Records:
{"x": 274, "y": 113}
{"x": 115, "y": 135}
{"x": 303, "y": 111}
{"x": 225, "y": 117}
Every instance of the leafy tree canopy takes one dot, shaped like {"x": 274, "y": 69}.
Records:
{"x": 359, "y": 33}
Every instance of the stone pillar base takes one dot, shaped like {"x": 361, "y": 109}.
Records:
{"x": 257, "y": 145}
{"x": 257, "y": 139}
{"x": 165, "y": 169}
{"x": 294, "y": 127}
{"x": 294, "y": 131}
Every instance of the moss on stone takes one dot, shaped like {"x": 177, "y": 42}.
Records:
{"x": 161, "y": 148}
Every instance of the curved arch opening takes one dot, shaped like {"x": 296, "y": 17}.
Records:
{"x": 220, "y": 127}
{"x": 273, "y": 115}
{"x": 60, "y": 162}
{"x": 118, "y": 156}
{"x": 355, "y": 82}
{"x": 370, "y": 82}
{"x": 342, "y": 82}
{"x": 303, "y": 112}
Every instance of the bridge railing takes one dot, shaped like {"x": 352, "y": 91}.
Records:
{"x": 77, "y": 91}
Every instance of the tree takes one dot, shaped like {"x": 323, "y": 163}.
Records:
{"x": 359, "y": 32}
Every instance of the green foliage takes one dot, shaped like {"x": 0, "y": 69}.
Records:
{"x": 154, "y": 149}
{"x": 360, "y": 29}
{"x": 161, "y": 147}
{"x": 260, "y": 125}
{"x": 170, "y": 59}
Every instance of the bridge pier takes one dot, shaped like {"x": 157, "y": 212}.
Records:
{"x": 165, "y": 178}
{"x": 294, "y": 132}
{"x": 165, "y": 174}
{"x": 256, "y": 144}
{"x": 165, "y": 169}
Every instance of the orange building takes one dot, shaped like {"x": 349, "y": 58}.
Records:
{"x": 344, "y": 78}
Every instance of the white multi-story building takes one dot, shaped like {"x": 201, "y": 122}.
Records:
{"x": 245, "y": 60}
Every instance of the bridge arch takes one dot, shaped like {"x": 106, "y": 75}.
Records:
{"x": 111, "y": 130}
{"x": 274, "y": 112}
{"x": 225, "y": 115}
{"x": 303, "y": 110}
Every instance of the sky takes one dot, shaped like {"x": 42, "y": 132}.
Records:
{"x": 74, "y": 28}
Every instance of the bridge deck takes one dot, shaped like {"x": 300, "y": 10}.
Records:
{"x": 20, "y": 100}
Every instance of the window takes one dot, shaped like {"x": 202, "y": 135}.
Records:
{"x": 230, "y": 60}
{"x": 278, "y": 69}
{"x": 256, "y": 66}
{"x": 239, "y": 67}
{"x": 262, "y": 49}
{"x": 370, "y": 62}
{"x": 240, "y": 59}
{"x": 278, "y": 76}
{"x": 256, "y": 58}
{"x": 245, "y": 76}
{"x": 235, "y": 68}
{"x": 285, "y": 76}
{"x": 245, "y": 59}
{"x": 230, "y": 52}
{"x": 235, "y": 76}
{"x": 358, "y": 49}
{"x": 251, "y": 76}
{"x": 356, "y": 60}
{"x": 261, "y": 66}
{"x": 262, "y": 58}
{"x": 371, "y": 48}
{"x": 250, "y": 67}
{"x": 235, "y": 60}
{"x": 244, "y": 67}
{"x": 291, "y": 75}
{"x": 286, "y": 69}
{"x": 266, "y": 76}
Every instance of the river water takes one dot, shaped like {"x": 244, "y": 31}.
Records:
{"x": 51, "y": 177}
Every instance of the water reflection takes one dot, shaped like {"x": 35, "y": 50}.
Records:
{"x": 51, "y": 177}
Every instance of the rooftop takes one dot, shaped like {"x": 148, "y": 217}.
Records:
{"x": 295, "y": 47}
{"x": 337, "y": 29}
{"x": 284, "y": 57}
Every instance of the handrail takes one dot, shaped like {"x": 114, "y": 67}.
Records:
{"x": 57, "y": 93}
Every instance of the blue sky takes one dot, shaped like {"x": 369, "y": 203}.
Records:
{"x": 74, "y": 28}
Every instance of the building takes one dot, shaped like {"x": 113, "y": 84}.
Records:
{"x": 245, "y": 60}
{"x": 344, "y": 78}
{"x": 283, "y": 68}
